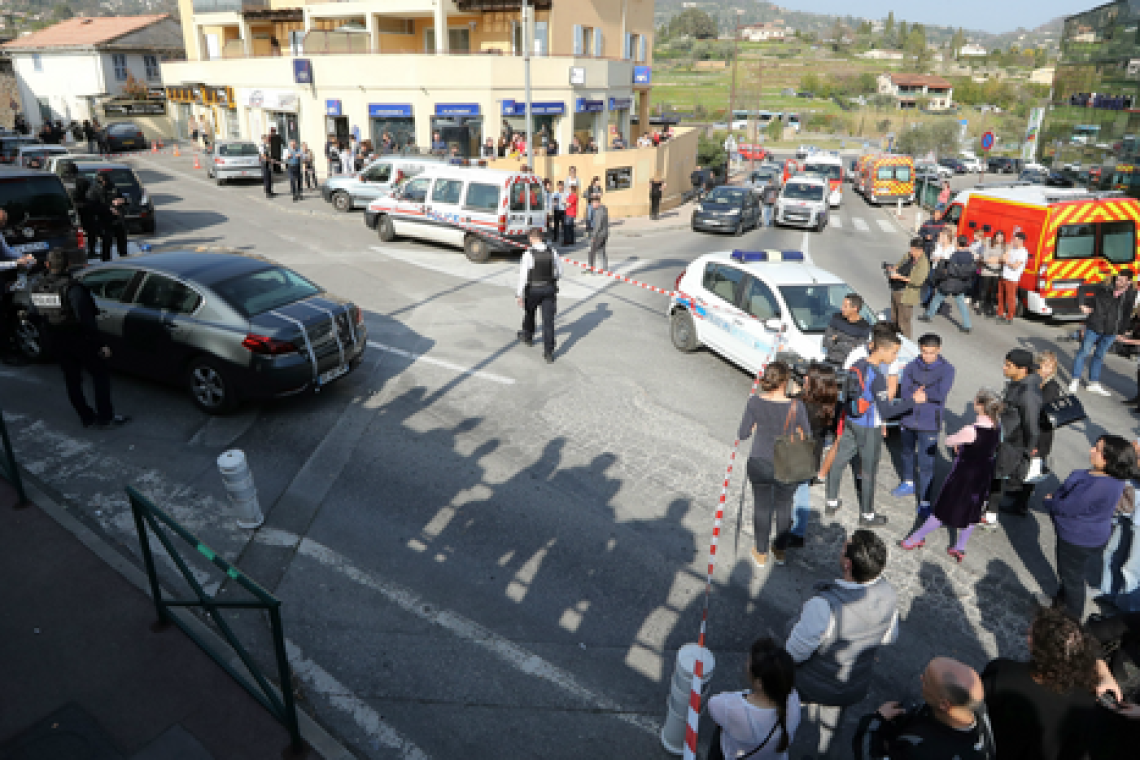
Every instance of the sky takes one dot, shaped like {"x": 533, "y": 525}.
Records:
{"x": 984, "y": 15}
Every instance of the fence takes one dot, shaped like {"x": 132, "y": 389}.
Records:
{"x": 282, "y": 706}
{"x": 9, "y": 469}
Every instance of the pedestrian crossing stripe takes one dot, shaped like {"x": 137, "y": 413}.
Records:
{"x": 860, "y": 224}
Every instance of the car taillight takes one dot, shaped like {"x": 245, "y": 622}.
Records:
{"x": 259, "y": 344}
{"x": 81, "y": 239}
{"x": 358, "y": 314}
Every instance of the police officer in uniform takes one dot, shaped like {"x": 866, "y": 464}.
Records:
{"x": 69, "y": 314}
{"x": 539, "y": 271}
{"x": 109, "y": 207}
{"x": 265, "y": 152}
{"x": 9, "y": 262}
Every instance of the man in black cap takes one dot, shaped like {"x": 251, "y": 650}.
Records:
{"x": 1020, "y": 427}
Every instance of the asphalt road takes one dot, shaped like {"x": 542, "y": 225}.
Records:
{"x": 481, "y": 555}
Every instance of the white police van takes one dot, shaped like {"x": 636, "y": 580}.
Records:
{"x": 803, "y": 202}
{"x": 740, "y": 303}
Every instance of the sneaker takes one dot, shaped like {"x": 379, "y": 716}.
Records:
{"x": 780, "y": 555}
{"x": 1074, "y": 386}
{"x": 905, "y": 488}
{"x": 759, "y": 559}
{"x": 871, "y": 521}
{"x": 830, "y": 509}
{"x": 115, "y": 422}
{"x": 1098, "y": 389}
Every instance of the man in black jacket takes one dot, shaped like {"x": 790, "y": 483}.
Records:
{"x": 954, "y": 279}
{"x": 698, "y": 180}
{"x": 110, "y": 208}
{"x": 1021, "y": 429}
{"x": 845, "y": 331}
{"x": 1109, "y": 310}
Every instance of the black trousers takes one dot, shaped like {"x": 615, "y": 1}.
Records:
{"x": 116, "y": 232}
{"x": 543, "y": 297}
{"x": 1012, "y": 488}
{"x": 1071, "y": 562}
{"x": 557, "y": 219}
{"x": 654, "y": 206}
{"x": 75, "y": 354}
{"x": 295, "y": 181}
{"x": 771, "y": 499}
{"x": 310, "y": 177}
{"x": 267, "y": 178}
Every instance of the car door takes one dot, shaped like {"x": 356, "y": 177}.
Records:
{"x": 112, "y": 289}
{"x": 373, "y": 184}
{"x": 158, "y": 327}
{"x": 410, "y": 217}
{"x": 444, "y": 207}
{"x": 752, "y": 341}
{"x": 721, "y": 285}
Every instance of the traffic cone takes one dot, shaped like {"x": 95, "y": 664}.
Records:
{"x": 153, "y": 147}
{"x": 197, "y": 163}
{"x": 176, "y": 151}
{"x": 160, "y": 144}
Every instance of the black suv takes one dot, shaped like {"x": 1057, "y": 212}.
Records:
{"x": 40, "y": 215}
{"x": 140, "y": 207}
{"x": 1003, "y": 165}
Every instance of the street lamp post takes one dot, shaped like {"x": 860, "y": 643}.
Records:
{"x": 735, "y": 58}
{"x": 526, "y": 16}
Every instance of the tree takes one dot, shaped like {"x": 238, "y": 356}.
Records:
{"x": 775, "y": 129}
{"x": 944, "y": 137}
{"x": 711, "y": 153}
{"x": 695, "y": 23}
{"x": 889, "y": 24}
{"x": 900, "y": 40}
{"x": 62, "y": 11}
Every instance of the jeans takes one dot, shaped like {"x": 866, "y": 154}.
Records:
{"x": 767, "y": 210}
{"x": 867, "y": 442}
{"x": 926, "y": 443}
{"x": 1101, "y": 344}
{"x": 590, "y": 218}
{"x": 959, "y": 298}
{"x": 1071, "y": 562}
{"x": 771, "y": 499}
{"x": 801, "y": 509}
{"x": 546, "y": 298}
{"x": 1120, "y": 576}
{"x": 295, "y": 181}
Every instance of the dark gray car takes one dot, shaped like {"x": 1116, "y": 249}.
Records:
{"x": 728, "y": 209}
{"x": 225, "y": 326}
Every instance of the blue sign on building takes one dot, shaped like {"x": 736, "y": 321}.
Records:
{"x": 332, "y": 108}
{"x": 621, "y": 104}
{"x": 388, "y": 110}
{"x": 456, "y": 109}
{"x": 582, "y": 105}
{"x": 642, "y": 74}
{"x": 302, "y": 71}
{"x": 518, "y": 108}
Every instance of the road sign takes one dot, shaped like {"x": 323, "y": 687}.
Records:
{"x": 987, "y": 140}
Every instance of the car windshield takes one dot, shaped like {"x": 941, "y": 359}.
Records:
{"x": 798, "y": 191}
{"x": 831, "y": 171}
{"x": 813, "y": 305}
{"x": 122, "y": 127}
{"x": 123, "y": 179}
{"x": 27, "y": 198}
{"x": 237, "y": 149}
{"x": 762, "y": 176}
{"x": 264, "y": 290}
{"x": 724, "y": 195}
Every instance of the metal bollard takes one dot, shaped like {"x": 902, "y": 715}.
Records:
{"x": 238, "y": 481}
{"x": 898, "y": 208}
{"x": 681, "y": 686}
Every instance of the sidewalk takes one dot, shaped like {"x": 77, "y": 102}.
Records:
{"x": 84, "y": 674}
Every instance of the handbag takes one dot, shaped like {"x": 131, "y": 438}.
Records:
{"x": 793, "y": 457}
{"x": 1064, "y": 411}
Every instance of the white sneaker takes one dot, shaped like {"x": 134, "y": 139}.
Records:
{"x": 1074, "y": 386}
{"x": 1098, "y": 389}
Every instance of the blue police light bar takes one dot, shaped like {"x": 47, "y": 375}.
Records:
{"x": 748, "y": 256}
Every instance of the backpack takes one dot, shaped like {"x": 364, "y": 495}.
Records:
{"x": 858, "y": 397}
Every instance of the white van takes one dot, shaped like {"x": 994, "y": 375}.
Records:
{"x": 451, "y": 204}
{"x": 348, "y": 191}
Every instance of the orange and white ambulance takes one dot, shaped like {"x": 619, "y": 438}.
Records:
{"x": 886, "y": 178}
{"x": 857, "y": 176}
{"x": 1075, "y": 238}
{"x": 830, "y": 167}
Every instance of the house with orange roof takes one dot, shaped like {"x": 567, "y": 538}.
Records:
{"x": 66, "y": 71}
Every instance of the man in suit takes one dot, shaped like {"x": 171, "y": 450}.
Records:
{"x": 601, "y": 233}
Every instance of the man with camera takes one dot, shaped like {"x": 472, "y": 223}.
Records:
{"x": 906, "y": 279}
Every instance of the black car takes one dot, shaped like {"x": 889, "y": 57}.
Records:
{"x": 41, "y": 217}
{"x": 225, "y": 326}
{"x": 140, "y": 207}
{"x": 10, "y": 146}
{"x": 728, "y": 209}
{"x": 956, "y": 164}
{"x": 1043, "y": 177}
{"x": 1002, "y": 165}
{"x": 124, "y": 136}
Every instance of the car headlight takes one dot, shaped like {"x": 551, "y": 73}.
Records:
{"x": 144, "y": 200}
{"x": 733, "y": 212}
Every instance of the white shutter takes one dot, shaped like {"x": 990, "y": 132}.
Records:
{"x": 540, "y": 37}
{"x": 642, "y": 56}
{"x": 597, "y": 43}
{"x": 578, "y": 39}
{"x": 627, "y": 47}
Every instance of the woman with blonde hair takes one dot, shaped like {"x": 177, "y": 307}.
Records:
{"x": 989, "y": 274}
{"x": 962, "y": 500}
{"x": 1051, "y": 390}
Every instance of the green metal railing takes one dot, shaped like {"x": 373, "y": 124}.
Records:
{"x": 9, "y": 470}
{"x": 162, "y": 525}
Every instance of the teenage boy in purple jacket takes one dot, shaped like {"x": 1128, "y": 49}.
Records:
{"x": 920, "y": 426}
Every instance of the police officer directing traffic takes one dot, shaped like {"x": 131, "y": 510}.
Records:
{"x": 69, "y": 313}
{"x": 539, "y": 272}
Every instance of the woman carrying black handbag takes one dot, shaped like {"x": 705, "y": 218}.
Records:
{"x": 768, "y": 416}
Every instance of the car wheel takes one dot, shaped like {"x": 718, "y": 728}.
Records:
{"x": 739, "y": 230}
{"x": 476, "y": 249}
{"x": 210, "y": 389}
{"x": 342, "y": 201}
{"x": 386, "y": 229}
{"x": 149, "y": 227}
{"x": 30, "y": 340}
{"x": 683, "y": 331}
{"x": 219, "y": 181}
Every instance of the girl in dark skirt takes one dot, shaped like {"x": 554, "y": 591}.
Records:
{"x": 962, "y": 500}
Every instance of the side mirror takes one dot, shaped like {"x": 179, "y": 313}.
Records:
{"x": 774, "y": 324}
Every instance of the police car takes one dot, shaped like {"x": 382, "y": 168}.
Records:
{"x": 804, "y": 202}
{"x": 740, "y": 303}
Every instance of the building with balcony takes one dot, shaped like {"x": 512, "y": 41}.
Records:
{"x": 913, "y": 90}
{"x": 64, "y": 71}
{"x": 421, "y": 71}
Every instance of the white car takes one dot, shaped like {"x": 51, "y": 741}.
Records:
{"x": 740, "y": 303}
{"x": 942, "y": 172}
{"x": 804, "y": 202}
{"x": 973, "y": 165}
{"x": 804, "y": 151}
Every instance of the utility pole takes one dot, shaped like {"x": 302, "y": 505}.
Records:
{"x": 526, "y": 35}
{"x": 735, "y": 59}
{"x": 756, "y": 123}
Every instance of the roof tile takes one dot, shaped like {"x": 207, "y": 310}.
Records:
{"x": 84, "y": 32}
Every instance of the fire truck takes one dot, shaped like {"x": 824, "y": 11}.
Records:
{"x": 1075, "y": 238}
{"x": 886, "y": 178}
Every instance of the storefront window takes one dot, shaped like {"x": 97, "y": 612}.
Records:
{"x": 464, "y": 133}
{"x": 585, "y": 128}
{"x": 401, "y": 130}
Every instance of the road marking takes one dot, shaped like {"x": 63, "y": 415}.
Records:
{"x": 805, "y": 244}
{"x": 837, "y": 222}
{"x": 860, "y": 225}
{"x": 887, "y": 225}
{"x": 441, "y": 363}
{"x": 341, "y": 698}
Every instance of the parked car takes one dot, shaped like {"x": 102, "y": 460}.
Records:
{"x": 973, "y": 164}
{"x": 957, "y": 165}
{"x": 10, "y": 145}
{"x": 1045, "y": 177}
{"x": 35, "y": 156}
{"x": 225, "y": 326}
{"x": 140, "y": 207}
{"x": 727, "y": 209}
{"x": 233, "y": 159}
{"x": 758, "y": 179}
{"x": 1003, "y": 165}
{"x": 123, "y": 136}
{"x": 64, "y": 165}
{"x": 803, "y": 151}
{"x": 376, "y": 180}
{"x": 40, "y": 215}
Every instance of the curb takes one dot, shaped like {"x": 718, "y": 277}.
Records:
{"x": 312, "y": 732}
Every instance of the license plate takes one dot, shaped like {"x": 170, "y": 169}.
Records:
{"x": 29, "y": 247}
{"x": 46, "y": 300}
{"x": 332, "y": 374}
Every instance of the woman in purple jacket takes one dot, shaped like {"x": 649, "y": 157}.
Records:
{"x": 1082, "y": 510}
